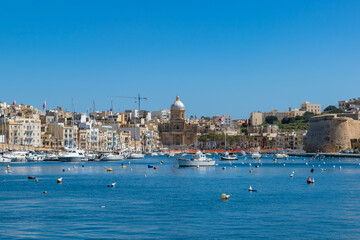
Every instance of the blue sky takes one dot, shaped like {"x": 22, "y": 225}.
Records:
{"x": 221, "y": 57}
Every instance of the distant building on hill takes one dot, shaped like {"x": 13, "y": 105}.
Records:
{"x": 311, "y": 107}
{"x": 352, "y": 105}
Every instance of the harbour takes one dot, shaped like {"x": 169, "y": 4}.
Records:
{"x": 182, "y": 203}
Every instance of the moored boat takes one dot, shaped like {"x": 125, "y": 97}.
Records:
{"x": 255, "y": 155}
{"x": 136, "y": 156}
{"x": 116, "y": 156}
{"x": 73, "y": 155}
{"x": 229, "y": 156}
{"x": 198, "y": 160}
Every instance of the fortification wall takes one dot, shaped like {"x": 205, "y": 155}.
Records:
{"x": 330, "y": 133}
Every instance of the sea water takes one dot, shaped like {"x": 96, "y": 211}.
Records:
{"x": 181, "y": 203}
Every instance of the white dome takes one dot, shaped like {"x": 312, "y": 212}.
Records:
{"x": 177, "y": 105}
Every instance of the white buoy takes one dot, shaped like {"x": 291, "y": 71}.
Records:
{"x": 292, "y": 175}
{"x": 306, "y": 163}
{"x": 250, "y": 188}
{"x": 334, "y": 166}
{"x": 250, "y": 164}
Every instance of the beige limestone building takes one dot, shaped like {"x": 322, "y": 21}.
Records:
{"x": 180, "y": 132}
{"x": 332, "y": 132}
{"x": 311, "y": 107}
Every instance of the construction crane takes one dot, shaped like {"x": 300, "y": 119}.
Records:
{"x": 138, "y": 98}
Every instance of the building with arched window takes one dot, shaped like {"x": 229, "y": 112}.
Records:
{"x": 181, "y": 133}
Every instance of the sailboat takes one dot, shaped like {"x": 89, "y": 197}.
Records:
{"x": 228, "y": 156}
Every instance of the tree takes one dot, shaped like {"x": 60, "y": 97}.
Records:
{"x": 332, "y": 109}
{"x": 287, "y": 120}
{"x": 307, "y": 116}
{"x": 271, "y": 119}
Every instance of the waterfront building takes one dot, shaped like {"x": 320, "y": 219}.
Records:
{"x": 65, "y": 135}
{"x": 22, "y": 131}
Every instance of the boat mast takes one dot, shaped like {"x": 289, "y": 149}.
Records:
{"x": 72, "y": 123}
{"x": 169, "y": 137}
{"x": 2, "y": 132}
{"x": 5, "y": 135}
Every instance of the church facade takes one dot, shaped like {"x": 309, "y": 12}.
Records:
{"x": 178, "y": 130}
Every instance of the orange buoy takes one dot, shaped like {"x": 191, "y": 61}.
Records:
{"x": 310, "y": 181}
{"x": 154, "y": 167}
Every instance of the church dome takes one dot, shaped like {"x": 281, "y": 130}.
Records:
{"x": 177, "y": 105}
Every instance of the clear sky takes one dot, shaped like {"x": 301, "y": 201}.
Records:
{"x": 221, "y": 57}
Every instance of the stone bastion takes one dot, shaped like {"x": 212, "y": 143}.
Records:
{"x": 332, "y": 132}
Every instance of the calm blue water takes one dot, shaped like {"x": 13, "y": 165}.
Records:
{"x": 181, "y": 203}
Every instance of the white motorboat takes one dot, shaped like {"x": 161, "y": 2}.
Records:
{"x": 4, "y": 159}
{"x": 280, "y": 156}
{"x": 243, "y": 153}
{"x": 136, "y": 156}
{"x": 51, "y": 157}
{"x": 91, "y": 156}
{"x": 73, "y": 155}
{"x": 116, "y": 156}
{"x": 34, "y": 157}
{"x": 198, "y": 160}
{"x": 229, "y": 156}
{"x": 171, "y": 154}
{"x": 255, "y": 155}
{"x": 154, "y": 154}
{"x": 16, "y": 156}
{"x": 161, "y": 154}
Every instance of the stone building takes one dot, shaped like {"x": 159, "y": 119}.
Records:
{"x": 311, "y": 107}
{"x": 182, "y": 133}
{"x": 332, "y": 132}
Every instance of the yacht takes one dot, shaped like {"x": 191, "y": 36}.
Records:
{"x": 154, "y": 154}
{"x": 51, "y": 157}
{"x": 34, "y": 157}
{"x": 136, "y": 156}
{"x": 16, "y": 156}
{"x": 255, "y": 155}
{"x": 171, "y": 154}
{"x": 4, "y": 159}
{"x": 229, "y": 156}
{"x": 73, "y": 155}
{"x": 198, "y": 160}
{"x": 91, "y": 156}
{"x": 116, "y": 156}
